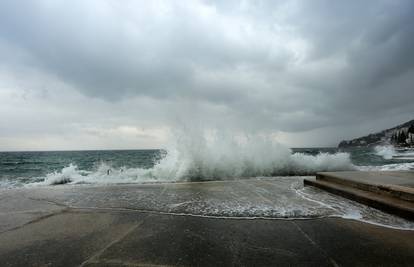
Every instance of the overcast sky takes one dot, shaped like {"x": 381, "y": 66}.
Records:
{"x": 101, "y": 74}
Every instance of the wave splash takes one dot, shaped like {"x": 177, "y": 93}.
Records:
{"x": 390, "y": 152}
{"x": 406, "y": 166}
{"x": 387, "y": 152}
{"x": 211, "y": 158}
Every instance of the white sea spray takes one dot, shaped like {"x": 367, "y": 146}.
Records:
{"x": 212, "y": 156}
{"x": 387, "y": 152}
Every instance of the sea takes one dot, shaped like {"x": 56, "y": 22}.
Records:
{"x": 39, "y": 168}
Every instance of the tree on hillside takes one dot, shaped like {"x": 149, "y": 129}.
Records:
{"x": 394, "y": 138}
{"x": 411, "y": 129}
{"x": 402, "y": 137}
{"x": 411, "y": 138}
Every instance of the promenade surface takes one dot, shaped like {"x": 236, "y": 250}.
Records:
{"x": 232, "y": 223}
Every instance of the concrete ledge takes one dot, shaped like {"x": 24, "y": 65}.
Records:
{"x": 388, "y": 204}
{"x": 384, "y": 183}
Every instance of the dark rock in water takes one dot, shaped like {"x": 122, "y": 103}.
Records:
{"x": 388, "y": 136}
{"x": 64, "y": 180}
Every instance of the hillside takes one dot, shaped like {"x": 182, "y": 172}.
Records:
{"x": 401, "y": 135}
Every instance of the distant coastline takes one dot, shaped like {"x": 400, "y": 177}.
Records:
{"x": 398, "y": 136}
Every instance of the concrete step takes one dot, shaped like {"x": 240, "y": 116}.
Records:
{"x": 386, "y": 203}
{"x": 377, "y": 182}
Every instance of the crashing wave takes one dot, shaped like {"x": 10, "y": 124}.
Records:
{"x": 212, "y": 159}
{"x": 407, "y": 166}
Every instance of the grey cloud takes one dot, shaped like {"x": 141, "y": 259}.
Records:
{"x": 108, "y": 59}
{"x": 269, "y": 65}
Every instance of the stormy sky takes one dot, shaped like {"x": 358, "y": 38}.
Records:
{"x": 102, "y": 74}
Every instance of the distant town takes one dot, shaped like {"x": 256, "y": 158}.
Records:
{"x": 399, "y": 136}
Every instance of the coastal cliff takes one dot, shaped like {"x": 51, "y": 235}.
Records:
{"x": 401, "y": 135}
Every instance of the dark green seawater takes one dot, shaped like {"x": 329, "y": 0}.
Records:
{"x": 18, "y": 168}
{"x": 130, "y": 166}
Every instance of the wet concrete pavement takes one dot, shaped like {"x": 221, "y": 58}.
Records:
{"x": 182, "y": 225}
{"x": 128, "y": 238}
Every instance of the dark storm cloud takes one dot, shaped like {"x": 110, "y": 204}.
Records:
{"x": 272, "y": 65}
{"x": 108, "y": 55}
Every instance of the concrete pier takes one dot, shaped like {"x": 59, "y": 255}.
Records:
{"x": 231, "y": 223}
{"x": 390, "y": 191}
